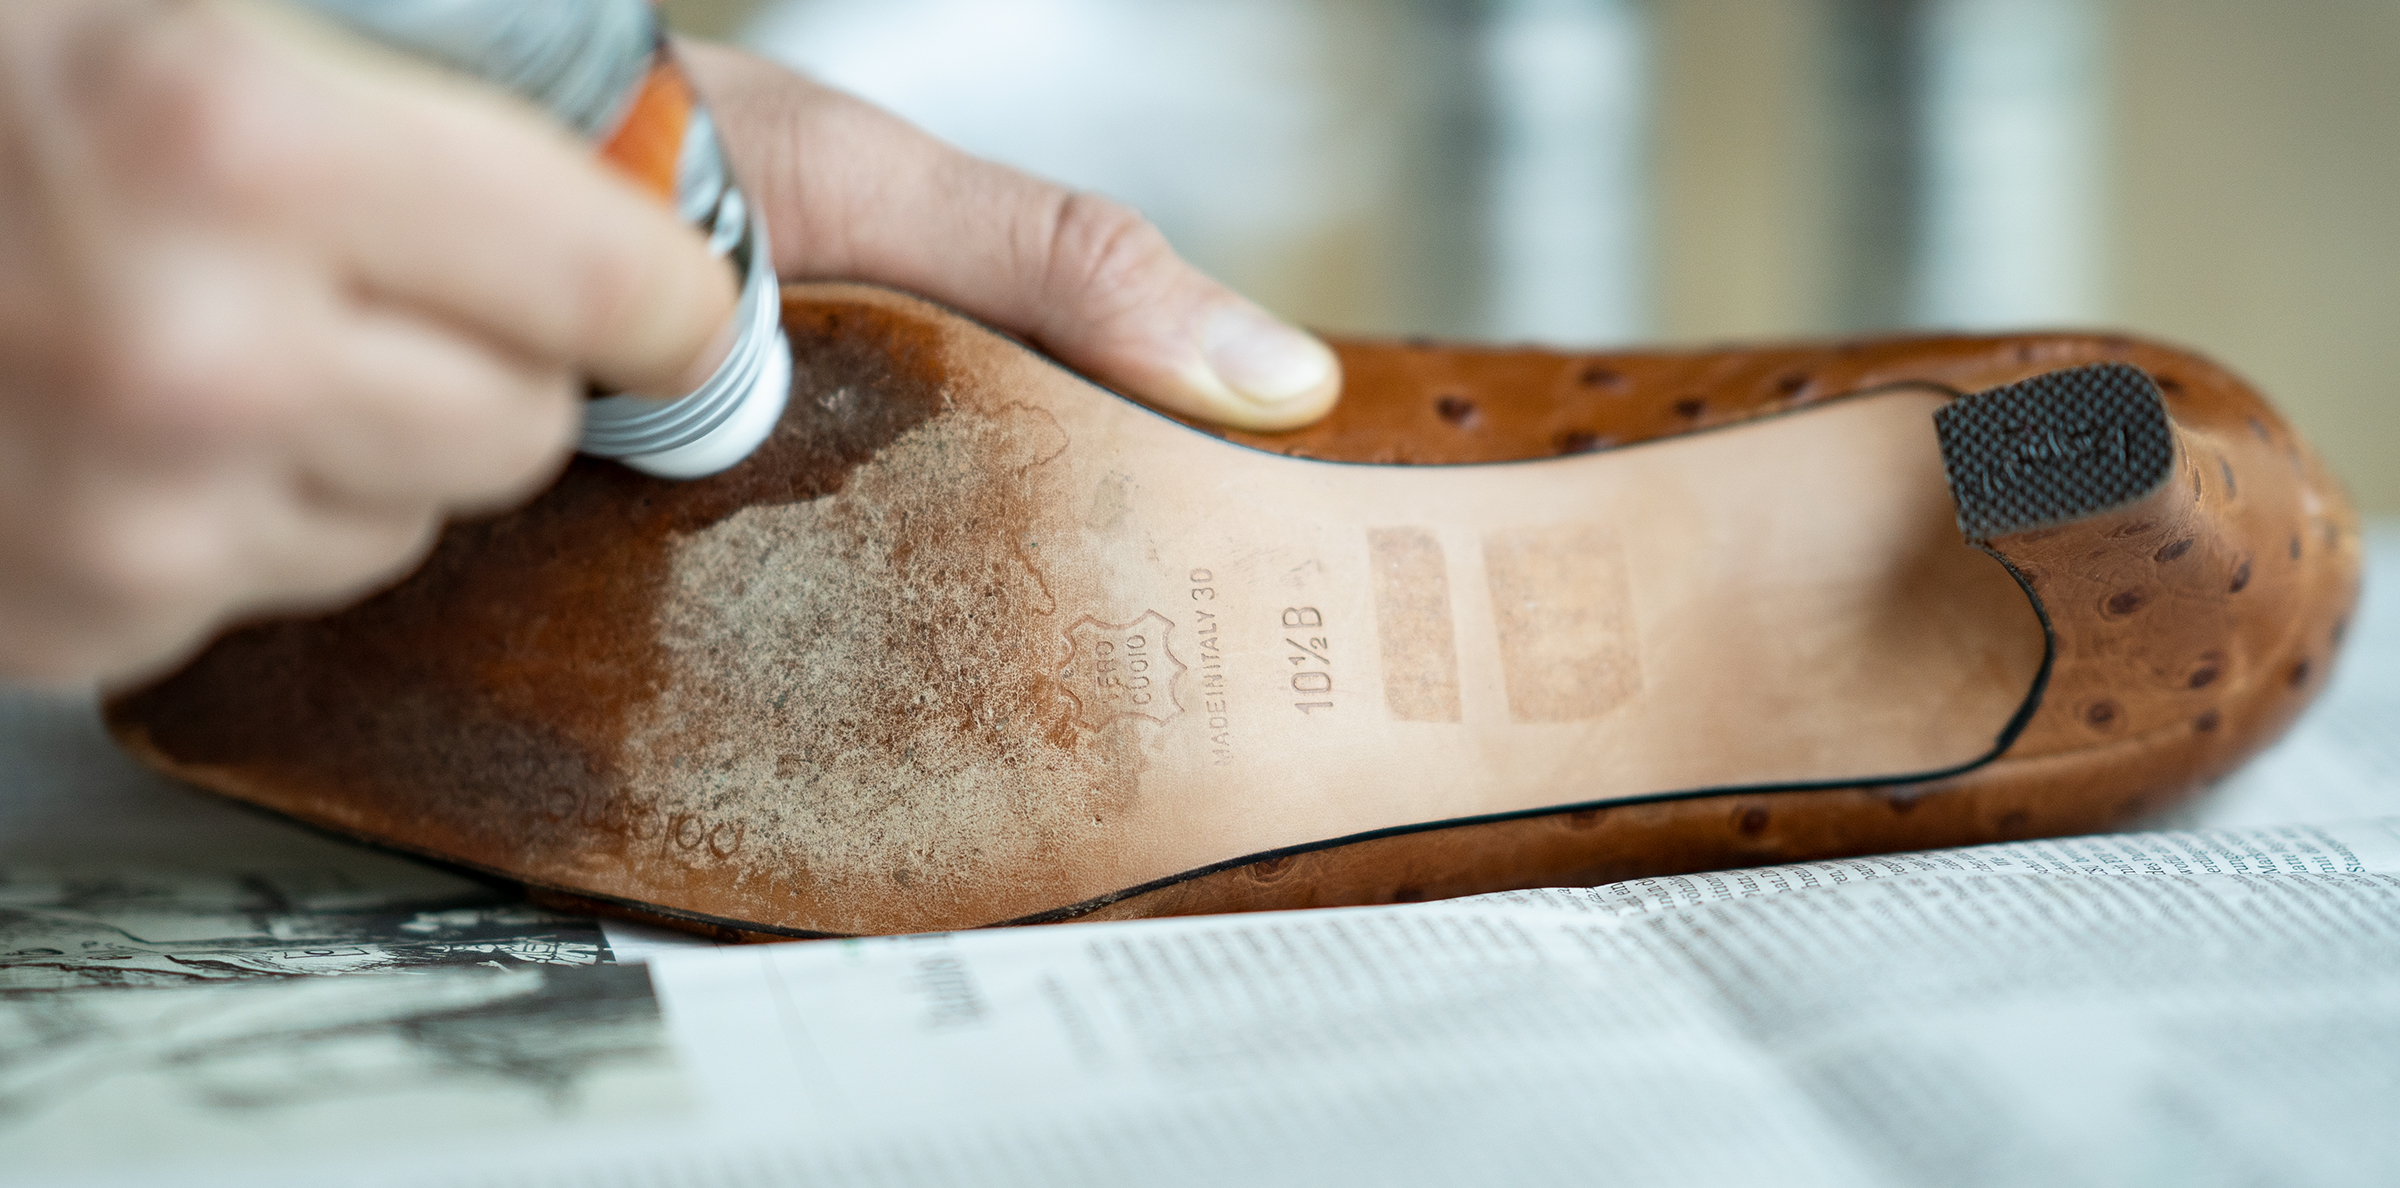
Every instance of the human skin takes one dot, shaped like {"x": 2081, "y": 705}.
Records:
{"x": 854, "y": 193}
{"x": 274, "y": 306}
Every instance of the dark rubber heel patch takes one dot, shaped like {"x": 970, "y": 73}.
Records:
{"x": 2055, "y": 448}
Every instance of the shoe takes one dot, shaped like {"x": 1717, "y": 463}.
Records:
{"x": 972, "y": 641}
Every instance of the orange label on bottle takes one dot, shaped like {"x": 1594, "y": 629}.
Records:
{"x": 648, "y": 145}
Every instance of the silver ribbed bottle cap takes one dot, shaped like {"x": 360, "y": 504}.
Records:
{"x": 718, "y": 425}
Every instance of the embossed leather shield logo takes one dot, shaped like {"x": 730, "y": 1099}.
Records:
{"x": 1122, "y": 670}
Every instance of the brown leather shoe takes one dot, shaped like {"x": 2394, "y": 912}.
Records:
{"x": 972, "y": 641}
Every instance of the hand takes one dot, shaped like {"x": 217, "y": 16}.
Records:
{"x": 273, "y": 306}
{"x": 852, "y": 192}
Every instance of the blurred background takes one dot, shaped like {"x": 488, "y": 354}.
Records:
{"x": 2219, "y": 172}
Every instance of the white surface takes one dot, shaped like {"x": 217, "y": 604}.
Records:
{"x": 2145, "y": 1008}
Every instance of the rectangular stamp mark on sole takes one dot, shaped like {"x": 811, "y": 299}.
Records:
{"x": 1564, "y": 613}
{"x": 1413, "y": 626}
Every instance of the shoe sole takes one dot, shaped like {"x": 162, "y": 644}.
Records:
{"x": 1035, "y": 645}
{"x": 1047, "y": 645}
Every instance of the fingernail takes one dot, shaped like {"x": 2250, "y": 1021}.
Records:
{"x": 1262, "y": 359}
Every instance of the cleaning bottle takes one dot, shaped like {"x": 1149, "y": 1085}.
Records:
{"x": 606, "y": 69}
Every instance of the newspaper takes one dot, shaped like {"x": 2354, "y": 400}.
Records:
{"x": 197, "y": 994}
{"x": 2211, "y": 1007}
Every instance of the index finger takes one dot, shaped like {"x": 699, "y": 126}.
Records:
{"x": 475, "y": 209}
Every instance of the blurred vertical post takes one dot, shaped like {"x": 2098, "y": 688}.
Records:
{"x": 1780, "y": 165}
{"x": 1564, "y": 208}
{"x": 1406, "y": 167}
{"x": 2011, "y": 140}
{"x": 1875, "y": 81}
{"x": 717, "y": 19}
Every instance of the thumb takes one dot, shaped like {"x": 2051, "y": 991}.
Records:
{"x": 854, "y": 192}
{"x": 1099, "y": 287}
